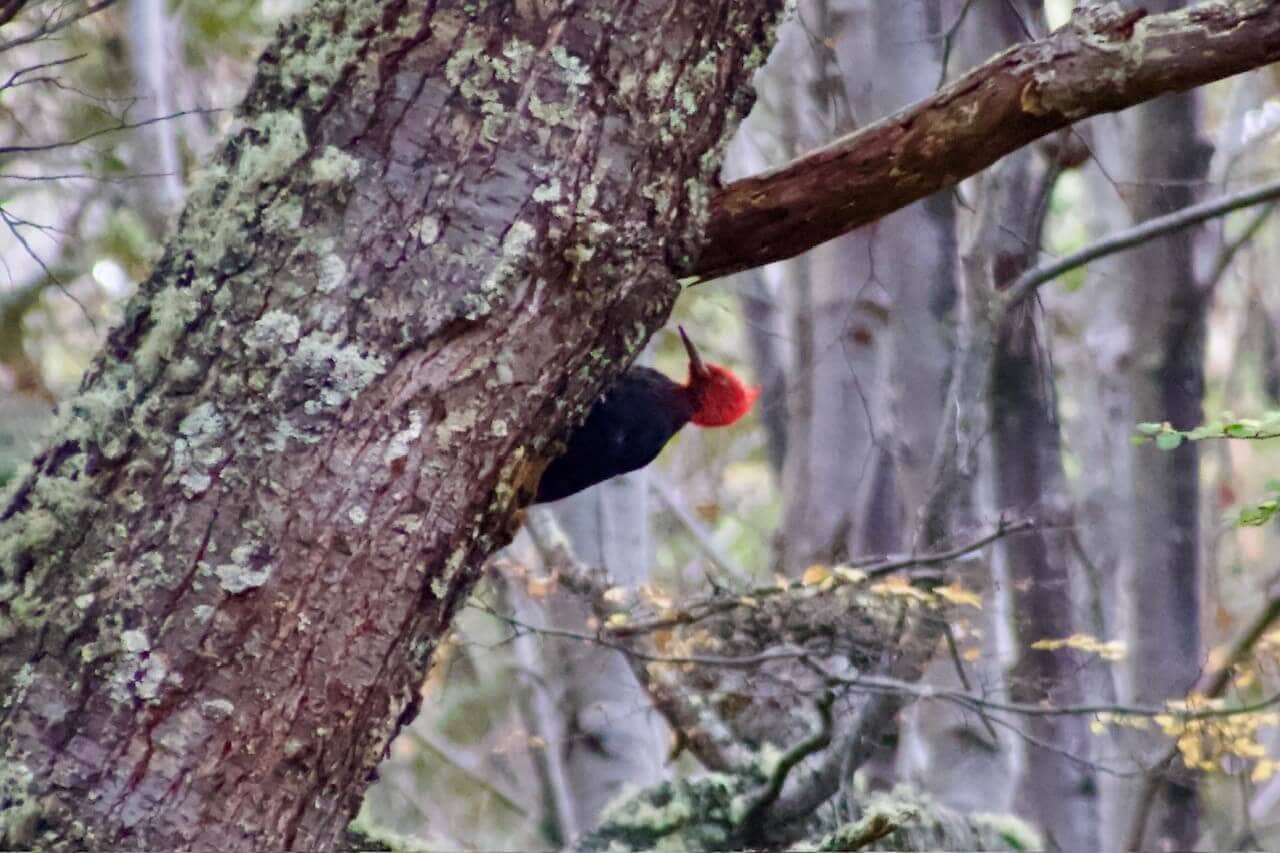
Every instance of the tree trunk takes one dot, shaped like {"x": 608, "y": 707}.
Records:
{"x": 611, "y": 736}
{"x": 1145, "y": 333}
{"x": 1160, "y": 565}
{"x": 436, "y": 235}
{"x": 1057, "y": 786}
{"x": 837, "y": 318}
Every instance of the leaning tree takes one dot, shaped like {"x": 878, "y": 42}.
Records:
{"x": 438, "y": 230}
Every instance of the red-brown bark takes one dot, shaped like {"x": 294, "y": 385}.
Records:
{"x": 441, "y": 229}
{"x": 1104, "y": 60}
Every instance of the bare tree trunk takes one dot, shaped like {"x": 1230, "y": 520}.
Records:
{"x": 1145, "y": 333}
{"x": 156, "y": 150}
{"x": 838, "y": 318}
{"x": 1058, "y": 789}
{"x": 611, "y": 736}
{"x": 434, "y": 239}
{"x": 1160, "y": 566}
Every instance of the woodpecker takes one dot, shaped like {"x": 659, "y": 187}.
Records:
{"x": 637, "y": 416}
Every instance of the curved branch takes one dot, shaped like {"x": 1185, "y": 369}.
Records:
{"x": 767, "y": 795}
{"x": 1104, "y": 60}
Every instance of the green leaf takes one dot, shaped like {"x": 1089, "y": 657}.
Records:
{"x": 1168, "y": 440}
{"x": 1255, "y": 516}
{"x": 1150, "y": 428}
{"x": 1272, "y": 486}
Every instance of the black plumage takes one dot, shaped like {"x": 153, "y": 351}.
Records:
{"x": 625, "y": 430}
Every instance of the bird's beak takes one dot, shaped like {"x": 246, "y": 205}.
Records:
{"x": 696, "y": 367}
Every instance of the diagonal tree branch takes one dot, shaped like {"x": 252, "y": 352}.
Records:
{"x": 51, "y": 25}
{"x": 1104, "y": 60}
{"x": 1141, "y": 233}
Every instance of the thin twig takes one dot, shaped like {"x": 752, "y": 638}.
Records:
{"x": 1215, "y": 684}
{"x": 1027, "y": 283}
{"x": 873, "y": 567}
{"x": 1227, "y": 253}
{"x": 50, "y": 26}
{"x": 467, "y": 766}
{"x": 701, "y": 535}
{"x": 760, "y": 800}
{"x": 737, "y": 662}
{"x": 102, "y": 131}
{"x": 975, "y": 702}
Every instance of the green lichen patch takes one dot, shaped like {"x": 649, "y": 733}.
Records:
{"x": 241, "y": 574}
{"x": 198, "y": 449}
{"x": 335, "y": 371}
{"x": 135, "y": 641}
{"x": 685, "y": 814}
{"x": 400, "y": 444}
{"x": 334, "y": 166}
{"x": 507, "y": 274}
{"x": 331, "y": 271}
{"x": 274, "y": 330}
{"x": 218, "y": 709}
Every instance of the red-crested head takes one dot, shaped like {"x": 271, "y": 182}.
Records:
{"x": 719, "y": 396}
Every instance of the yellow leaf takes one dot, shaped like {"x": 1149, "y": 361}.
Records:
{"x": 1248, "y": 748}
{"x": 849, "y": 575}
{"x": 616, "y": 620}
{"x": 539, "y": 587}
{"x": 971, "y": 655}
{"x": 655, "y": 598}
{"x": 815, "y": 574}
{"x": 899, "y": 586}
{"x": 1097, "y": 727}
{"x": 1113, "y": 650}
{"x": 957, "y": 594}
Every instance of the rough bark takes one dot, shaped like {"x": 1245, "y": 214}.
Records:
{"x": 1105, "y": 59}
{"x": 436, "y": 235}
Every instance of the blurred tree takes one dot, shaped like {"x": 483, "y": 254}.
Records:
{"x": 432, "y": 240}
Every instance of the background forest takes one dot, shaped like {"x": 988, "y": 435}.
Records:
{"x": 1106, "y": 668}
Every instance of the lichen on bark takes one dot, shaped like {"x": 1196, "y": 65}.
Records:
{"x": 221, "y": 581}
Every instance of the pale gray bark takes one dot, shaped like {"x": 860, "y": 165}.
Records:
{"x": 1142, "y": 314}
{"x": 155, "y": 149}
{"x": 837, "y": 311}
{"x": 610, "y": 736}
{"x": 1160, "y": 563}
